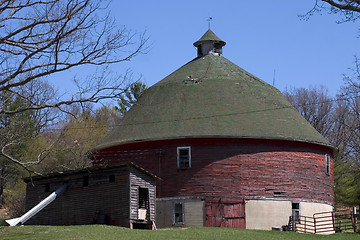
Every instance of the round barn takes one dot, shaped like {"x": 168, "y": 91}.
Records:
{"x": 230, "y": 149}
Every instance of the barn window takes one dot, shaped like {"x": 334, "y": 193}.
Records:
{"x": 143, "y": 198}
{"x": 296, "y": 211}
{"x": 144, "y": 204}
{"x": 85, "y": 181}
{"x": 183, "y": 157}
{"x": 111, "y": 178}
{"x": 47, "y": 187}
{"x": 178, "y": 213}
{"x": 217, "y": 48}
{"x": 199, "y": 52}
{"x": 327, "y": 164}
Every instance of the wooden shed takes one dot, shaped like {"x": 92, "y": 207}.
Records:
{"x": 121, "y": 194}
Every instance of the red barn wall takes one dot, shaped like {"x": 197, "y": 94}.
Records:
{"x": 233, "y": 168}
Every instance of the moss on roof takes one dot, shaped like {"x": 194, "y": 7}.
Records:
{"x": 212, "y": 97}
{"x": 209, "y": 36}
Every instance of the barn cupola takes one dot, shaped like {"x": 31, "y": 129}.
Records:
{"x": 209, "y": 43}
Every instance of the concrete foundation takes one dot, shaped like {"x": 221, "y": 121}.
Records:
{"x": 260, "y": 214}
{"x": 266, "y": 214}
{"x": 172, "y": 212}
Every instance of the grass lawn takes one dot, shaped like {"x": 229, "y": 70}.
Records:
{"x": 103, "y": 232}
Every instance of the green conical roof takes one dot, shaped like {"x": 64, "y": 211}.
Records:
{"x": 209, "y": 36}
{"x": 212, "y": 97}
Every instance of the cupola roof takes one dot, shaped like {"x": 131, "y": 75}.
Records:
{"x": 209, "y": 36}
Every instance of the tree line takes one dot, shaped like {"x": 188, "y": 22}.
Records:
{"x": 53, "y": 142}
{"x": 338, "y": 120}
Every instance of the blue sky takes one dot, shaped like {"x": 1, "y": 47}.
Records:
{"x": 261, "y": 36}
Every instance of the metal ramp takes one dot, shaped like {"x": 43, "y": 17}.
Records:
{"x": 21, "y": 220}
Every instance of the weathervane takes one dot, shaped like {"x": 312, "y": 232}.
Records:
{"x": 209, "y": 20}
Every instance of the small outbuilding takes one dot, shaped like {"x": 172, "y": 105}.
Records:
{"x": 121, "y": 194}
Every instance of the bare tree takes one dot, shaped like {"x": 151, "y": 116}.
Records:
{"x": 39, "y": 38}
{"x": 349, "y": 124}
{"x": 345, "y": 132}
{"x": 315, "y": 106}
{"x": 18, "y": 129}
{"x": 350, "y": 99}
{"x": 337, "y": 119}
{"x": 348, "y": 9}
{"x": 71, "y": 143}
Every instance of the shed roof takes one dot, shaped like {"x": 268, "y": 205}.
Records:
{"x": 212, "y": 97}
{"x": 88, "y": 170}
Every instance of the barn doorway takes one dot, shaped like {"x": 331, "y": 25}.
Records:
{"x": 144, "y": 204}
{"x": 225, "y": 214}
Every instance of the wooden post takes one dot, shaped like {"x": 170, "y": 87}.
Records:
{"x": 354, "y": 219}
{"x": 153, "y": 225}
{"x": 340, "y": 226}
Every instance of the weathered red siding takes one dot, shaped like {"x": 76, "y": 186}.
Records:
{"x": 222, "y": 213}
{"x": 233, "y": 168}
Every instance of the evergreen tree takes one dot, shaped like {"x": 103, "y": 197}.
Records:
{"x": 130, "y": 96}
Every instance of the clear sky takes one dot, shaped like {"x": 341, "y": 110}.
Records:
{"x": 261, "y": 36}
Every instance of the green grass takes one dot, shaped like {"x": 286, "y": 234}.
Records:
{"x": 102, "y": 232}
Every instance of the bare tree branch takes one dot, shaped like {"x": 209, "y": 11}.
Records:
{"x": 40, "y": 38}
{"x": 349, "y": 5}
{"x": 24, "y": 165}
{"x": 348, "y": 9}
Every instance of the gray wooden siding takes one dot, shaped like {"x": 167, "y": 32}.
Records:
{"x": 139, "y": 179}
{"x": 102, "y": 201}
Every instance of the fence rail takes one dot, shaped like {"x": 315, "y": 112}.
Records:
{"x": 324, "y": 222}
{"x": 344, "y": 221}
{"x": 305, "y": 225}
{"x": 321, "y": 223}
{"x": 328, "y": 222}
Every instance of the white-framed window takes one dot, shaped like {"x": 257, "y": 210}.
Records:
{"x": 184, "y": 157}
{"x": 178, "y": 213}
{"x": 327, "y": 164}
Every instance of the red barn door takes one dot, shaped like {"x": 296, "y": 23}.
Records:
{"x": 225, "y": 214}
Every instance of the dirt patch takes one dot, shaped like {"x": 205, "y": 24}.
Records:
{"x": 4, "y": 213}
